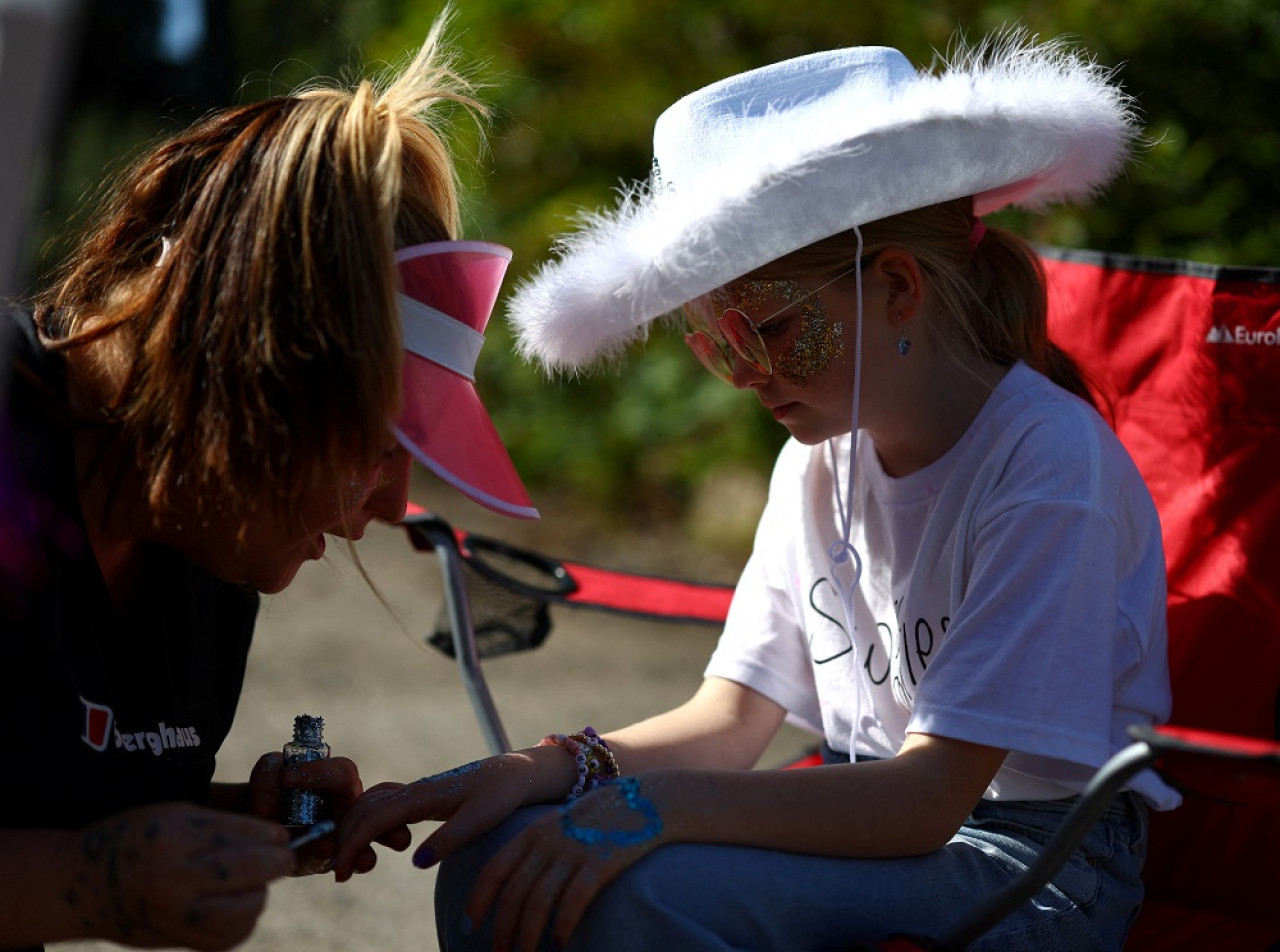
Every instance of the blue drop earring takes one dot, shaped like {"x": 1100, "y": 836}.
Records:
{"x": 904, "y": 342}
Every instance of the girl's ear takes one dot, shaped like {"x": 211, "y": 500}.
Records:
{"x": 901, "y": 281}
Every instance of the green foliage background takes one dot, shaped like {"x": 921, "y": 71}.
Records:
{"x": 576, "y": 87}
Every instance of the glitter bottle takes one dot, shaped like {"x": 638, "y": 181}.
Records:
{"x": 304, "y": 807}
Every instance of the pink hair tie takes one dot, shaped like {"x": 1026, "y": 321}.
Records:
{"x": 975, "y": 234}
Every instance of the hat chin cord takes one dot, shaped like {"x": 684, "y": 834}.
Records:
{"x": 845, "y": 562}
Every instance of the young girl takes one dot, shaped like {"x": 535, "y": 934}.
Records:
{"x": 214, "y": 382}
{"x": 957, "y": 580}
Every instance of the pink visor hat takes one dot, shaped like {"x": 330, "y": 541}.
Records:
{"x": 448, "y": 290}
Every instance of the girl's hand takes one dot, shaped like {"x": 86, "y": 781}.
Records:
{"x": 175, "y": 874}
{"x": 473, "y": 799}
{"x": 551, "y": 871}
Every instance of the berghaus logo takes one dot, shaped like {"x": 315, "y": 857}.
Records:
{"x": 98, "y": 719}
{"x": 101, "y": 731}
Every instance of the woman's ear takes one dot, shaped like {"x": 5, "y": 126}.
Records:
{"x": 899, "y": 275}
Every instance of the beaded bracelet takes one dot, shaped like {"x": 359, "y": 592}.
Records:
{"x": 598, "y": 747}
{"x": 592, "y": 756}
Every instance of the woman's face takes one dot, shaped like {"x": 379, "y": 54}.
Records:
{"x": 275, "y": 545}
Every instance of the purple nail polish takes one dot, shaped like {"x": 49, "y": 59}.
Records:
{"x": 425, "y": 857}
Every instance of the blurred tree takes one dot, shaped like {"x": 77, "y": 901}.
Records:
{"x": 576, "y": 89}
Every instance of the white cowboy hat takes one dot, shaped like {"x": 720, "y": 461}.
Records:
{"x": 769, "y": 161}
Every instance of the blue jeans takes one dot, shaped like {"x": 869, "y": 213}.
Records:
{"x": 698, "y": 896}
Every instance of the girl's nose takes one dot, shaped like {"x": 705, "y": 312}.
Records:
{"x": 744, "y": 375}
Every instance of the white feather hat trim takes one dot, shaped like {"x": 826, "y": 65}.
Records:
{"x": 758, "y": 165}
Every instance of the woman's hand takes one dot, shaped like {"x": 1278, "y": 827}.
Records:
{"x": 549, "y": 873}
{"x": 473, "y": 799}
{"x": 336, "y": 779}
{"x": 175, "y": 874}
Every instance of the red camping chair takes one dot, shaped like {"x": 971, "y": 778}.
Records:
{"x": 1185, "y": 359}
{"x": 1187, "y": 356}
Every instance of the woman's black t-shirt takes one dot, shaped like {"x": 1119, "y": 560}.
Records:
{"x": 99, "y": 710}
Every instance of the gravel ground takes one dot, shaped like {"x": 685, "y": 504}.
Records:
{"x": 329, "y": 646}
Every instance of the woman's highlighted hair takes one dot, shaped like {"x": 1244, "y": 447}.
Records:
{"x": 260, "y": 355}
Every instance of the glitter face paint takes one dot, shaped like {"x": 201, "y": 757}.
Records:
{"x": 306, "y": 811}
{"x": 819, "y": 342}
{"x": 304, "y": 808}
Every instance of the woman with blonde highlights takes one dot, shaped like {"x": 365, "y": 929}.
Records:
{"x": 213, "y": 382}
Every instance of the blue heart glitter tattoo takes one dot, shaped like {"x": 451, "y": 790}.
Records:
{"x": 634, "y": 801}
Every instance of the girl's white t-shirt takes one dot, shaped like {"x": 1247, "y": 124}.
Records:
{"x": 1012, "y": 594}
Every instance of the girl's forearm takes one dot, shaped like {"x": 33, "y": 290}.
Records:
{"x": 908, "y": 805}
{"x": 724, "y": 725}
